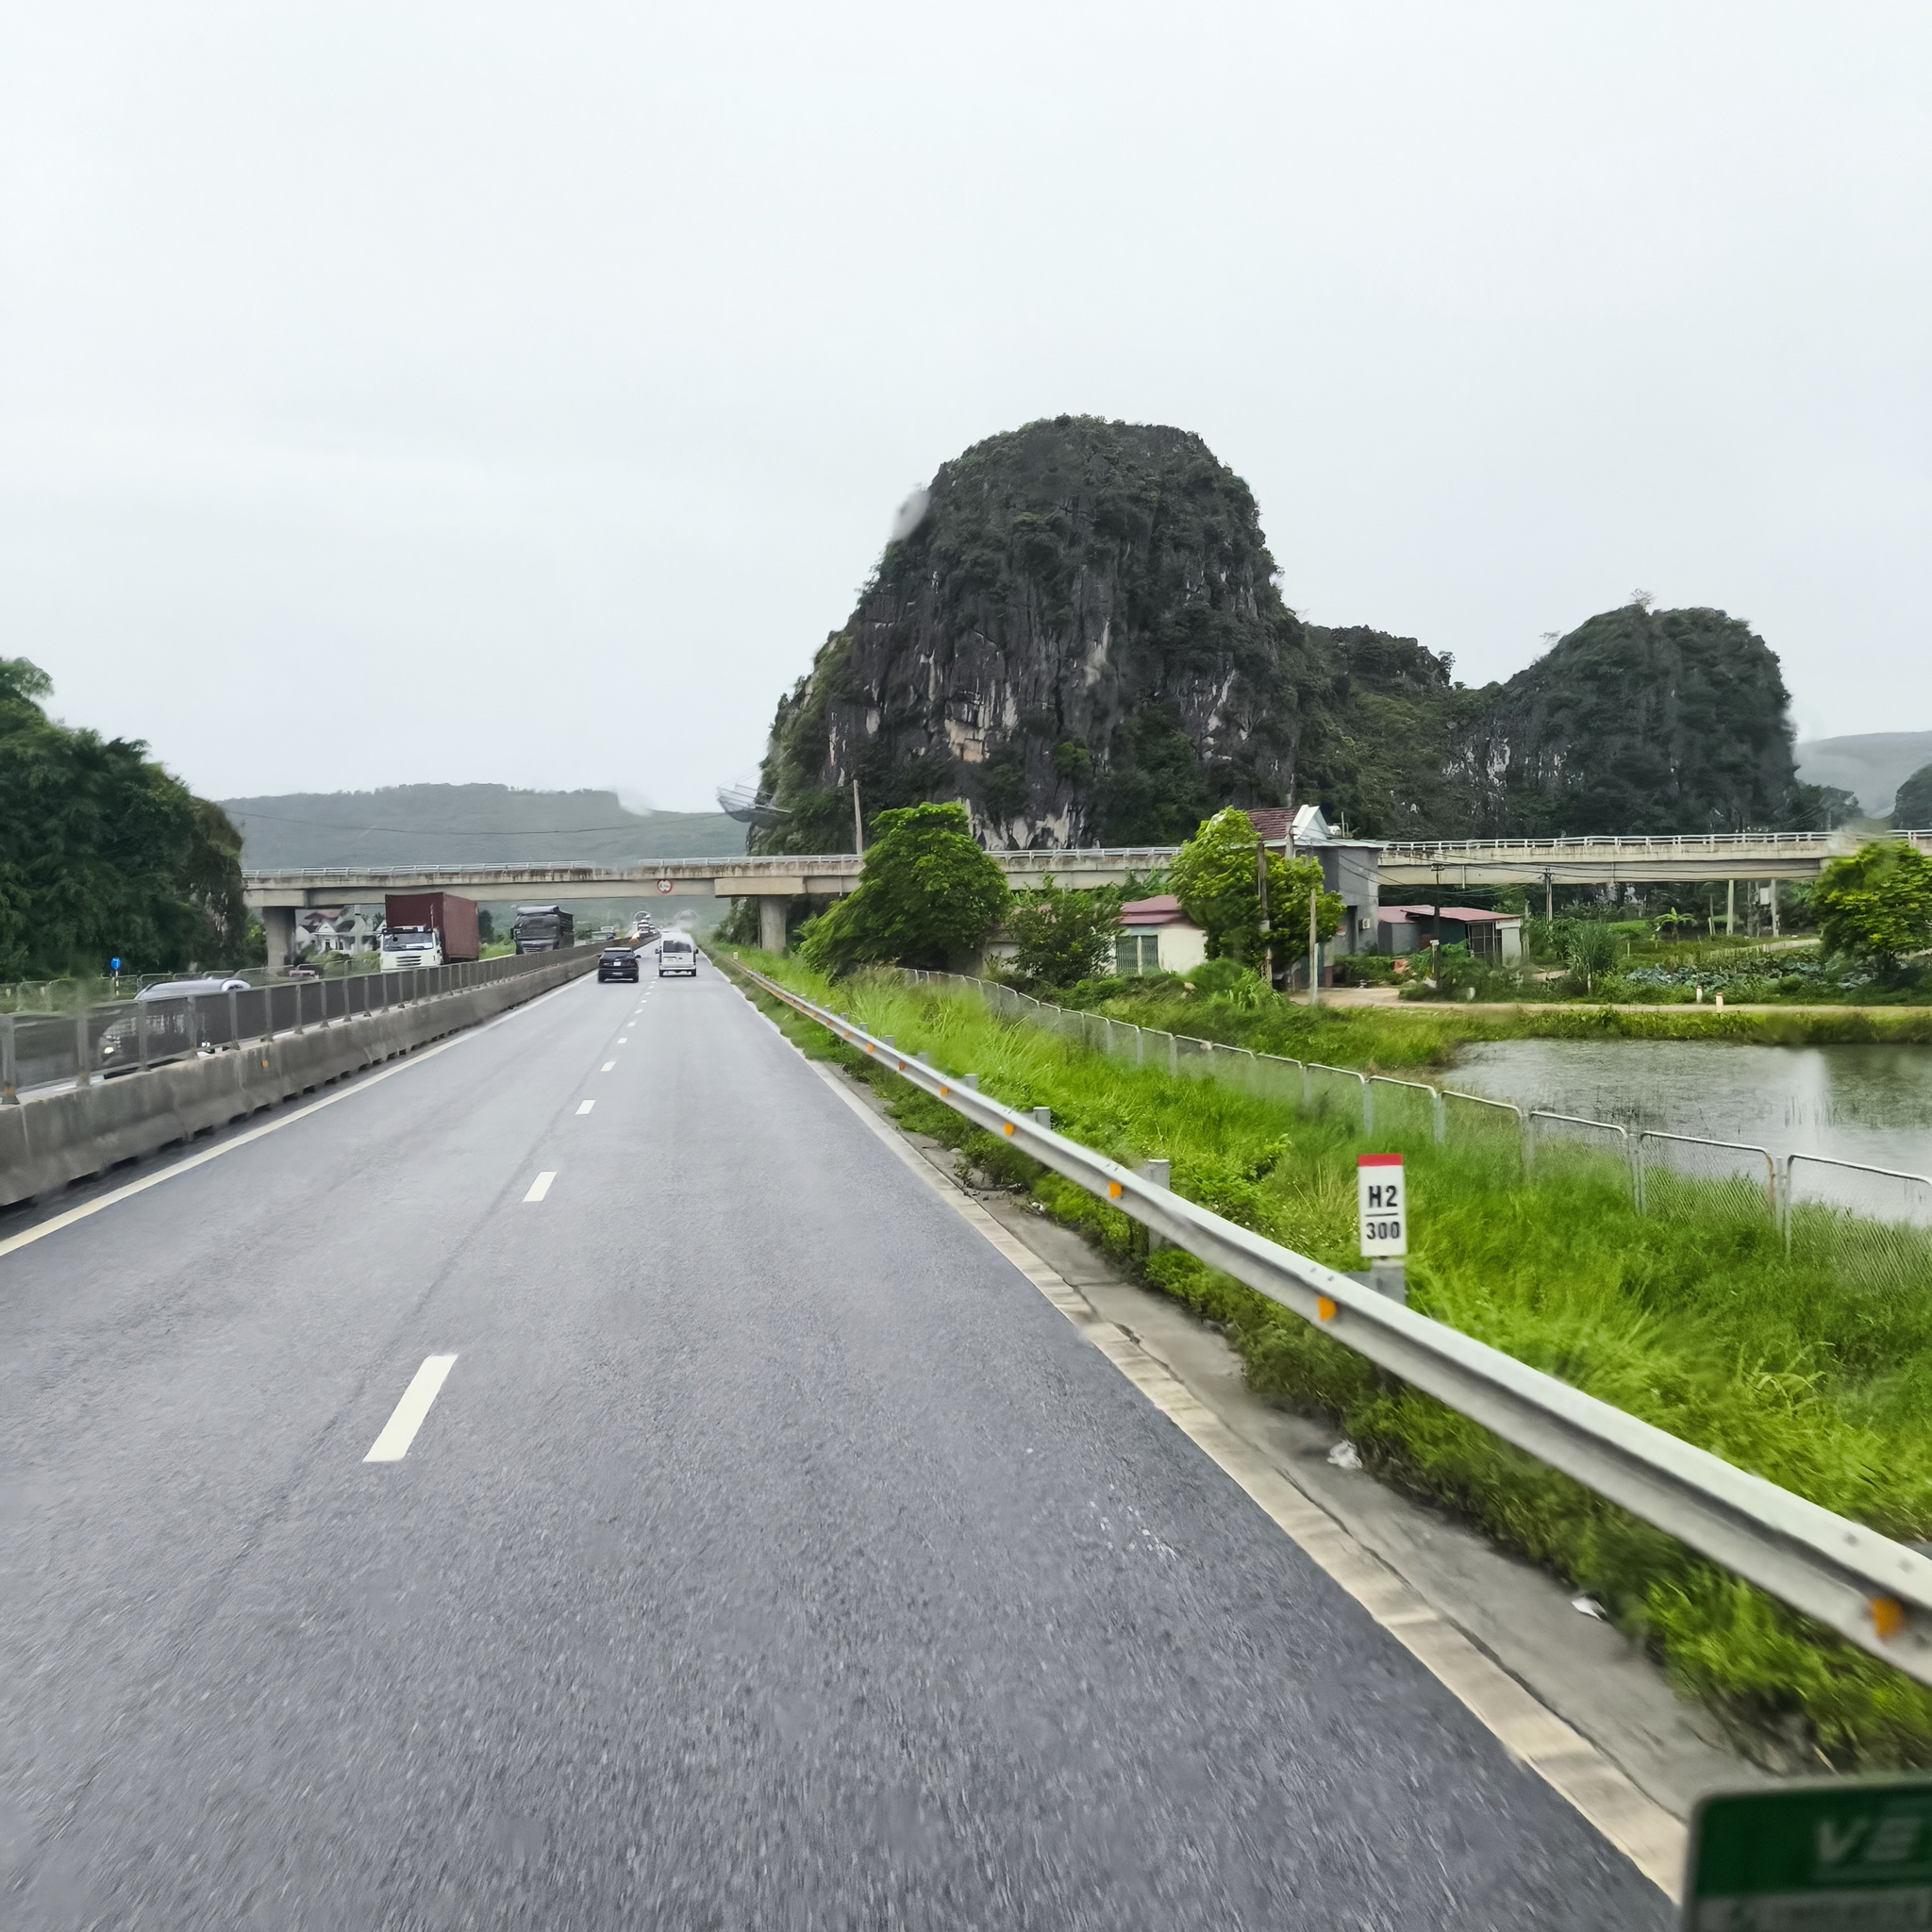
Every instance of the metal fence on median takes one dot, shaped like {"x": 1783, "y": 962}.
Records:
{"x": 1685, "y": 1175}
{"x": 1871, "y": 1225}
{"x": 126, "y": 1036}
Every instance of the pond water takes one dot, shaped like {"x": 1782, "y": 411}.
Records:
{"x": 1870, "y": 1103}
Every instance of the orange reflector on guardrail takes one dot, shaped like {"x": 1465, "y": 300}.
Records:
{"x": 1324, "y": 1308}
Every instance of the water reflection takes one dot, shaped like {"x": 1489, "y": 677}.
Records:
{"x": 1870, "y": 1103}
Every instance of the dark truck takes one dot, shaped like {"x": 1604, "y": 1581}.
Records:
{"x": 452, "y": 918}
{"x": 544, "y": 929}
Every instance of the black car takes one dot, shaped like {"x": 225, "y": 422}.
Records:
{"x": 618, "y": 962}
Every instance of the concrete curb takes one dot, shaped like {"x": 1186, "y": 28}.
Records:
{"x": 53, "y": 1139}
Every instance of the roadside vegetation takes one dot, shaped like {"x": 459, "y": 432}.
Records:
{"x": 1700, "y": 1324}
{"x": 103, "y": 854}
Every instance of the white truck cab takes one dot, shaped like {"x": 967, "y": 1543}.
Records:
{"x": 411, "y": 945}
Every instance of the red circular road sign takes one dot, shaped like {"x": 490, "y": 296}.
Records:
{"x": 663, "y": 885}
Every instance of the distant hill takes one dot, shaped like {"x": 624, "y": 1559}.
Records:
{"x": 1871, "y": 765}
{"x": 471, "y": 824}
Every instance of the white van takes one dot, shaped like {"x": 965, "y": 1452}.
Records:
{"x": 676, "y": 954}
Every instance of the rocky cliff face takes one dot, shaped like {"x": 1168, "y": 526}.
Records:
{"x": 1638, "y": 721}
{"x": 1081, "y": 640}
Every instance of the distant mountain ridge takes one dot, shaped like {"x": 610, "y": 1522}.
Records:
{"x": 1871, "y": 765}
{"x": 468, "y": 825}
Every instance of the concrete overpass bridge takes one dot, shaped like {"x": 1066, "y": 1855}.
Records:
{"x": 1444, "y": 865}
{"x": 774, "y": 882}
{"x": 1690, "y": 859}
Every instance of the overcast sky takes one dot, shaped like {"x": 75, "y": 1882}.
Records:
{"x": 432, "y": 392}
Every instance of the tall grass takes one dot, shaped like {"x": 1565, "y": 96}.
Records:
{"x": 1701, "y": 1324}
{"x": 1427, "y": 1034}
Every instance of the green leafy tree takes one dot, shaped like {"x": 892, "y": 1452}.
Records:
{"x": 926, "y": 897}
{"x": 103, "y": 854}
{"x": 1876, "y": 904}
{"x": 1215, "y": 878}
{"x": 1060, "y": 937}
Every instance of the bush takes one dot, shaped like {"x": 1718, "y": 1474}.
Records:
{"x": 1061, "y": 938}
{"x": 1365, "y": 969}
{"x": 928, "y": 896}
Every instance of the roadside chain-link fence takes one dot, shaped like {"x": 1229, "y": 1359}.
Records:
{"x": 1872, "y": 1226}
{"x": 124, "y": 1035}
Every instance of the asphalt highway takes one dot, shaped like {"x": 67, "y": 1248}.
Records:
{"x": 770, "y": 1555}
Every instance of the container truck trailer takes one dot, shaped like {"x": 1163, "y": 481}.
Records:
{"x": 451, "y": 918}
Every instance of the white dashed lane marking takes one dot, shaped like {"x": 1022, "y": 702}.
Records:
{"x": 541, "y": 1186}
{"x": 607, "y": 1066}
{"x": 586, "y": 1106}
{"x": 400, "y": 1430}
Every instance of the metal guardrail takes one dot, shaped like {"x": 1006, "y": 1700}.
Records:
{"x": 126, "y": 1036}
{"x": 1874, "y": 1591}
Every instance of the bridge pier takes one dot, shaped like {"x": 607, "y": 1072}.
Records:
{"x": 279, "y": 925}
{"x": 772, "y": 924}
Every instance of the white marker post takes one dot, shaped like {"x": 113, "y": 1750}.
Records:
{"x": 1381, "y": 1202}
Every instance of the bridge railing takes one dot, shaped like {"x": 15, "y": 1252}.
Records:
{"x": 1661, "y": 841}
{"x": 1874, "y": 1591}
{"x": 116, "y": 1036}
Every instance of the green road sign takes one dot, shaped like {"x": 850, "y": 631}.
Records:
{"x": 1846, "y": 1855}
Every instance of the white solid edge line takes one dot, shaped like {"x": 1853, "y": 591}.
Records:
{"x": 362, "y": 1084}
{"x": 407, "y": 1417}
{"x": 1528, "y": 1729}
{"x": 541, "y": 1186}
{"x": 586, "y": 1106}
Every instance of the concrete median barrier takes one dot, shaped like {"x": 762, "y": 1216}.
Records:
{"x": 50, "y": 1139}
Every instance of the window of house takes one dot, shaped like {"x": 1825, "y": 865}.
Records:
{"x": 1136, "y": 952}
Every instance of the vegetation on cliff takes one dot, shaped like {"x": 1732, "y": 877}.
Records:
{"x": 1083, "y": 641}
{"x": 103, "y": 854}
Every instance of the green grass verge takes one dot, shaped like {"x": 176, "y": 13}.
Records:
{"x": 1700, "y": 1324}
{"x": 1426, "y": 1034}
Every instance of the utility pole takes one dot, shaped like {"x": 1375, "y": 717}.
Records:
{"x": 1314, "y": 951}
{"x": 858, "y": 823}
{"x": 1773, "y": 908}
{"x": 1436, "y": 944}
{"x": 1261, "y": 890}
{"x": 1730, "y": 908}
{"x": 1549, "y": 900}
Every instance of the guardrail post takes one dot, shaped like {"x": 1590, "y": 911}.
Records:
{"x": 1042, "y": 1116}
{"x": 1439, "y": 1115}
{"x": 1640, "y": 1176}
{"x": 9, "y": 1064}
{"x": 1160, "y": 1173}
{"x": 971, "y": 1080}
{"x": 1368, "y": 1107}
